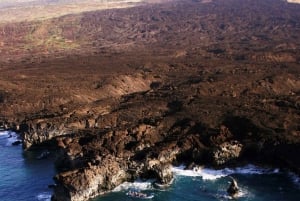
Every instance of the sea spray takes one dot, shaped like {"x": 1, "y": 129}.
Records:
{"x": 45, "y": 196}
{"x": 4, "y": 133}
{"x": 138, "y": 184}
{"x": 11, "y": 138}
{"x": 212, "y": 174}
{"x": 204, "y": 173}
{"x": 295, "y": 178}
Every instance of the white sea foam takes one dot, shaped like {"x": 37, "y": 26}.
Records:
{"x": 44, "y": 196}
{"x": 205, "y": 173}
{"x": 295, "y": 178}
{"x": 240, "y": 194}
{"x": 11, "y": 138}
{"x": 138, "y": 184}
{"x": 4, "y": 133}
{"x": 252, "y": 169}
{"x": 212, "y": 174}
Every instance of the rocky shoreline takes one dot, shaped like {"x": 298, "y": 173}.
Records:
{"x": 204, "y": 84}
{"x": 142, "y": 138}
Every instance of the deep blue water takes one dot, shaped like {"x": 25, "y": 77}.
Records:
{"x": 24, "y": 178}
{"x": 256, "y": 185}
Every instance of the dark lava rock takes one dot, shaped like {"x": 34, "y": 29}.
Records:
{"x": 233, "y": 189}
{"x": 16, "y": 143}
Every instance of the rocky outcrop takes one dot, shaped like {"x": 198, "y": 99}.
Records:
{"x": 227, "y": 152}
{"x": 145, "y": 133}
{"x": 44, "y": 128}
{"x": 36, "y": 136}
{"x": 96, "y": 161}
{"x": 128, "y": 144}
{"x": 161, "y": 170}
{"x": 85, "y": 183}
{"x": 104, "y": 174}
{"x": 233, "y": 189}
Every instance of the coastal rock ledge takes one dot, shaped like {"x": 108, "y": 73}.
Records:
{"x": 97, "y": 152}
{"x": 127, "y": 145}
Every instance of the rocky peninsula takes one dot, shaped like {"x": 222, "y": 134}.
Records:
{"x": 127, "y": 93}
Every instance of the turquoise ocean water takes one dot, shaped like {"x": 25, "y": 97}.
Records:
{"x": 25, "y": 178}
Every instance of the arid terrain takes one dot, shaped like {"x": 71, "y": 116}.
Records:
{"x": 29, "y": 10}
{"x": 123, "y": 93}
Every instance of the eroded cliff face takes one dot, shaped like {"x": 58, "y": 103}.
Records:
{"x": 174, "y": 123}
{"x": 188, "y": 119}
{"x": 98, "y": 177}
{"x": 95, "y": 163}
{"x": 63, "y": 119}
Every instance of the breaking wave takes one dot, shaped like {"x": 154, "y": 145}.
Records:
{"x": 44, "y": 196}
{"x": 295, "y": 178}
{"x": 212, "y": 174}
{"x": 205, "y": 173}
{"x": 138, "y": 184}
{"x": 10, "y": 137}
{"x": 241, "y": 193}
{"x": 4, "y": 133}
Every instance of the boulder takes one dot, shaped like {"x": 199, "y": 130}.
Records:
{"x": 162, "y": 172}
{"x": 15, "y": 143}
{"x": 233, "y": 189}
